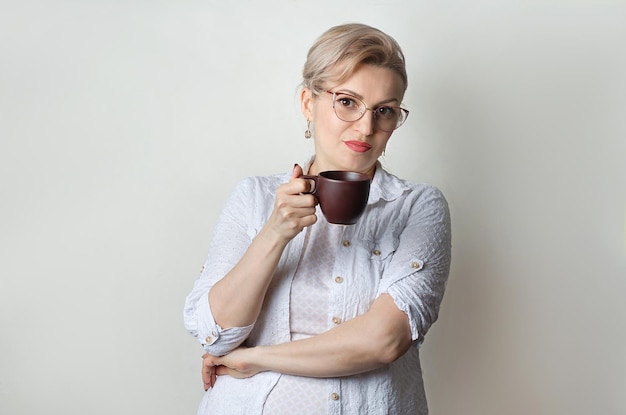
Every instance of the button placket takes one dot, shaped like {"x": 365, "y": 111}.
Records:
{"x": 336, "y": 308}
{"x": 334, "y": 394}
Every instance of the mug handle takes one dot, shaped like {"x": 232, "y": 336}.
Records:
{"x": 314, "y": 178}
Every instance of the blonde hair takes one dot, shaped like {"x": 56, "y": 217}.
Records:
{"x": 347, "y": 47}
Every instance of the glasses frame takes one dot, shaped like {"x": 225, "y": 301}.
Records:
{"x": 404, "y": 110}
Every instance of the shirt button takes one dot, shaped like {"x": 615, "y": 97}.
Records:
{"x": 208, "y": 339}
{"x": 376, "y": 252}
{"x": 346, "y": 243}
{"x": 338, "y": 280}
{"x": 334, "y": 396}
{"x": 415, "y": 265}
{"x": 336, "y": 320}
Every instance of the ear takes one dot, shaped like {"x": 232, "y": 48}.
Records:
{"x": 307, "y": 99}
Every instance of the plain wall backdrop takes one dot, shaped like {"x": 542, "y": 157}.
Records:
{"x": 125, "y": 125}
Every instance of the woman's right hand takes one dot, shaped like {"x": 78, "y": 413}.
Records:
{"x": 294, "y": 208}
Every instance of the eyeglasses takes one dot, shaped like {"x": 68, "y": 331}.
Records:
{"x": 350, "y": 108}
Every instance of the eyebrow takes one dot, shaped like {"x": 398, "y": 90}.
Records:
{"x": 359, "y": 96}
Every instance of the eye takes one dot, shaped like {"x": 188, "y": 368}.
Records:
{"x": 386, "y": 112}
{"x": 346, "y": 101}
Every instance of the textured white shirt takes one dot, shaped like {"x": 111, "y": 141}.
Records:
{"x": 400, "y": 246}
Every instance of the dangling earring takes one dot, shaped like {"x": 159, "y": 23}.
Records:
{"x": 307, "y": 132}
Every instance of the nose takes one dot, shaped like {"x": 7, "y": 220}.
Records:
{"x": 365, "y": 124}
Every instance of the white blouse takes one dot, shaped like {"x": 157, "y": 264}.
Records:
{"x": 400, "y": 246}
{"x": 308, "y": 316}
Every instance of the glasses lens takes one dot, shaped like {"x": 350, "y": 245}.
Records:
{"x": 348, "y": 108}
{"x": 389, "y": 118}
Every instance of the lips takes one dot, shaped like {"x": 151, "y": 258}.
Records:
{"x": 358, "y": 146}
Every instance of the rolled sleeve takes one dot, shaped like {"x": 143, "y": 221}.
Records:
{"x": 214, "y": 339}
{"x": 231, "y": 237}
{"x": 417, "y": 275}
{"x": 199, "y": 321}
{"x": 422, "y": 310}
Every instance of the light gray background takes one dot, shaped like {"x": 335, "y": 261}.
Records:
{"x": 124, "y": 125}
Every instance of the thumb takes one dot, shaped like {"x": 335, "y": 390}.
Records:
{"x": 297, "y": 171}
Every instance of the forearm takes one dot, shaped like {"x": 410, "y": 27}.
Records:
{"x": 338, "y": 352}
{"x": 237, "y": 298}
{"x": 364, "y": 343}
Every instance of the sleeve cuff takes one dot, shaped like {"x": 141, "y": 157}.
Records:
{"x": 214, "y": 339}
{"x": 403, "y": 296}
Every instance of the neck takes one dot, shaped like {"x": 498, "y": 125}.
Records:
{"x": 370, "y": 172}
{"x": 313, "y": 169}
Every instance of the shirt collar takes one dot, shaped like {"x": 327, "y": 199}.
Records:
{"x": 385, "y": 186}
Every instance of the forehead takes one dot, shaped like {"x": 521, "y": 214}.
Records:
{"x": 372, "y": 83}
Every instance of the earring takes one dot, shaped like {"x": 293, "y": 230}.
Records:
{"x": 307, "y": 132}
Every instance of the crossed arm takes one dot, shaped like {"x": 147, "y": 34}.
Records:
{"x": 365, "y": 343}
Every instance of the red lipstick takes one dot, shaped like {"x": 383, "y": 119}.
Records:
{"x": 358, "y": 146}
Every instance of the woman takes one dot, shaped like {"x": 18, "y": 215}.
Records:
{"x": 297, "y": 315}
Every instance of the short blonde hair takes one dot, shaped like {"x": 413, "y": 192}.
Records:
{"x": 351, "y": 45}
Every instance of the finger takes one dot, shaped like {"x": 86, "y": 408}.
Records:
{"x": 298, "y": 201}
{"x": 295, "y": 186}
{"x": 297, "y": 171}
{"x": 206, "y": 375}
{"x": 221, "y": 370}
{"x": 208, "y": 378}
{"x": 303, "y": 185}
{"x": 207, "y": 372}
{"x": 225, "y": 370}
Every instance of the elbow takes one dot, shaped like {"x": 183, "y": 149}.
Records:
{"x": 391, "y": 345}
{"x": 394, "y": 350}
{"x": 390, "y": 328}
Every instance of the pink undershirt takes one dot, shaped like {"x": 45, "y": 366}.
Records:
{"x": 308, "y": 316}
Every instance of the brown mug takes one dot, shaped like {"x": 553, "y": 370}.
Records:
{"x": 342, "y": 195}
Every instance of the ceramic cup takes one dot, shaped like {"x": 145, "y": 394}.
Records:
{"x": 342, "y": 195}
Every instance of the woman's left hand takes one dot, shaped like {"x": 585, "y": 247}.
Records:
{"x": 233, "y": 364}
